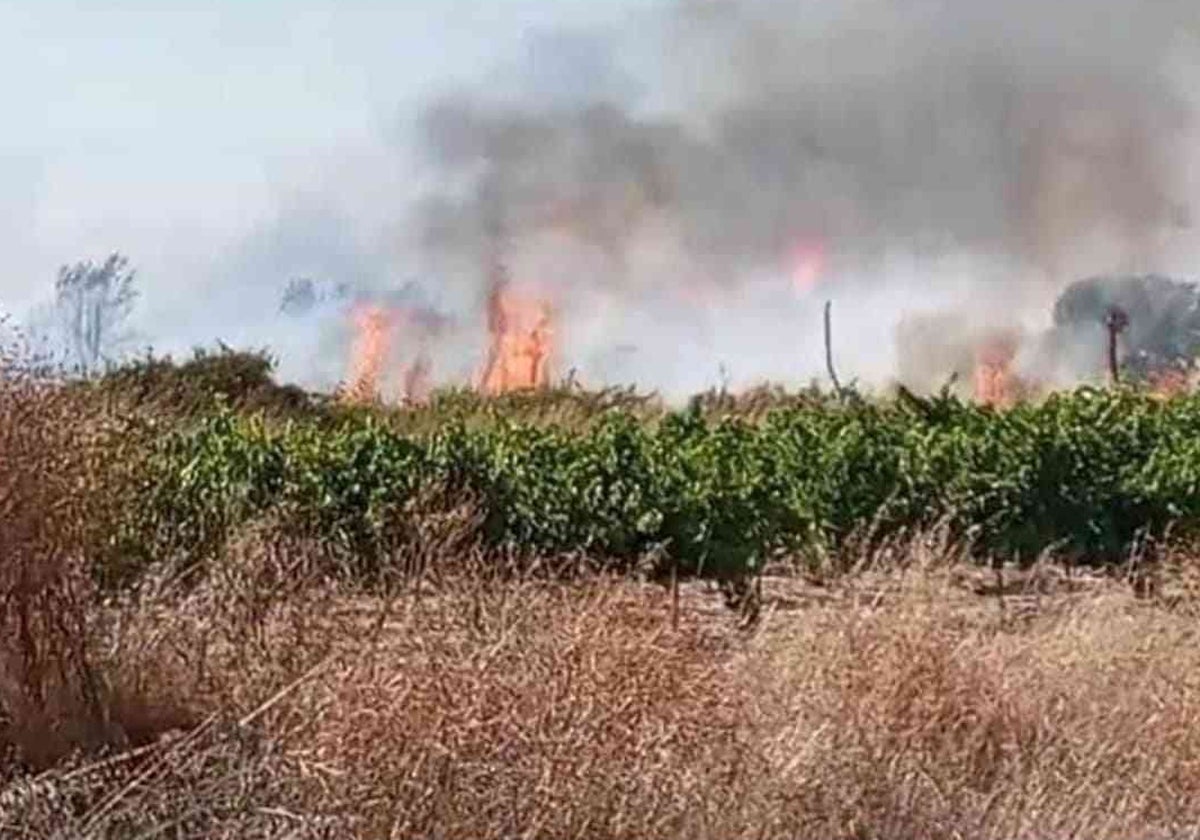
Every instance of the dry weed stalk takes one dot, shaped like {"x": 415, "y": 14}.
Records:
{"x": 51, "y": 695}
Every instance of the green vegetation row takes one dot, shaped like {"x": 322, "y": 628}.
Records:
{"x": 1085, "y": 474}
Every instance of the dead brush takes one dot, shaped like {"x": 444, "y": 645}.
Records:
{"x": 925, "y": 714}
{"x": 212, "y": 662}
{"x": 52, "y": 697}
{"x": 488, "y": 703}
{"x": 66, "y": 456}
{"x": 533, "y": 708}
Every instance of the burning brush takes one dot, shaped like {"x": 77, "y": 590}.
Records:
{"x": 520, "y": 339}
{"x": 372, "y": 340}
{"x": 994, "y": 382}
{"x": 943, "y": 349}
{"x": 1145, "y": 330}
{"x": 376, "y": 330}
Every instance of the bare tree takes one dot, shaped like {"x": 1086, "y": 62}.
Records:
{"x": 93, "y": 303}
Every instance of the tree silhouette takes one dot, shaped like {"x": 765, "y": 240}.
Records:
{"x": 303, "y": 294}
{"x": 92, "y": 303}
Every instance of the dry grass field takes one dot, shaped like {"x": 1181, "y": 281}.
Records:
{"x": 263, "y": 703}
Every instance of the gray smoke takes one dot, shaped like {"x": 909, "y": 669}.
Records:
{"x": 945, "y": 153}
{"x": 998, "y": 128}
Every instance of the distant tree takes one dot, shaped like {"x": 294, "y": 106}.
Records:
{"x": 303, "y": 294}
{"x": 1163, "y": 320}
{"x": 299, "y": 297}
{"x": 92, "y": 304}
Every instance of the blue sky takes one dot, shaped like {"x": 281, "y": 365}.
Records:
{"x": 178, "y": 132}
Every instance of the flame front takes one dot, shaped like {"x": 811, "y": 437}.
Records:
{"x": 375, "y": 328}
{"x": 520, "y": 340}
{"x": 372, "y": 340}
{"x": 994, "y": 382}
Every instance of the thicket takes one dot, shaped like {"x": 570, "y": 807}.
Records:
{"x": 201, "y": 384}
{"x": 711, "y": 490}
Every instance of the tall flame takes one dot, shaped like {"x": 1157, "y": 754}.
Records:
{"x": 520, "y": 340}
{"x": 372, "y": 340}
{"x": 374, "y": 335}
{"x": 994, "y": 382}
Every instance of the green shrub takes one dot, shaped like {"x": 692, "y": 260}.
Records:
{"x": 1085, "y": 473}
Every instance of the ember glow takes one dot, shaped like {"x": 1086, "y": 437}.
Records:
{"x": 808, "y": 264}
{"x": 520, "y": 340}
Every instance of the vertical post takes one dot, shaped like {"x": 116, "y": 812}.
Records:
{"x": 837, "y": 386}
{"x": 1116, "y": 321}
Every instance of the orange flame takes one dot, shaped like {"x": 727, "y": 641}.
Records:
{"x": 374, "y": 335}
{"x": 808, "y": 264}
{"x": 520, "y": 340}
{"x": 372, "y": 340}
{"x": 994, "y": 382}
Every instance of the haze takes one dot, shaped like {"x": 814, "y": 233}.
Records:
{"x": 944, "y": 155}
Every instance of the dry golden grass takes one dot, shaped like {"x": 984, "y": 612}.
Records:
{"x": 929, "y": 715}
{"x": 892, "y": 706}
{"x": 56, "y": 487}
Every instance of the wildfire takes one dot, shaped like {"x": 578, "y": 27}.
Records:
{"x": 808, "y": 264}
{"x": 372, "y": 340}
{"x": 994, "y": 381}
{"x": 520, "y": 340}
{"x": 375, "y": 328}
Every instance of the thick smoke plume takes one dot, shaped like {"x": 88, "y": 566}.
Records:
{"x": 967, "y": 157}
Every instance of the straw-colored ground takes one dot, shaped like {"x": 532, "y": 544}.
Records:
{"x": 925, "y": 704}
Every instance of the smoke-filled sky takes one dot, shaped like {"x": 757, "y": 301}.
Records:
{"x": 225, "y": 145}
{"x": 654, "y": 168}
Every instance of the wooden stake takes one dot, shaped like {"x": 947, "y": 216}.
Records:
{"x": 1116, "y": 321}
{"x": 837, "y": 386}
